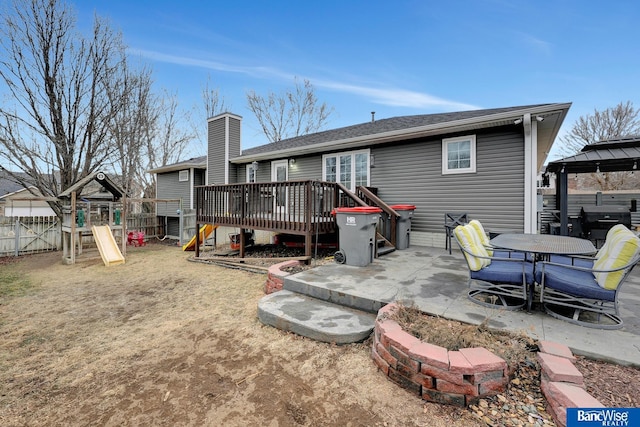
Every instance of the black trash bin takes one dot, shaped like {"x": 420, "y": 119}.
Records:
{"x": 357, "y": 234}
{"x": 403, "y": 226}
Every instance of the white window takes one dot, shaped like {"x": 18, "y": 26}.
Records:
{"x": 459, "y": 154}
{"x": 251, "y": 173}
{"x": 350, "y": 169}
{"x": 183, "y": 175}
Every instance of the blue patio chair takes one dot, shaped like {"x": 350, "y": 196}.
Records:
{"x": 496, "y": 282}
{"x": 586, "y": 292}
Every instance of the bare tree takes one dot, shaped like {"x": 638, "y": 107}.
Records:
{"x": 167, "y": 141}
{"x": 213, "y": 103}
{"x": 293, "y": 113}
{"x": 617, "y": 122}
{"x": 65, "y": 90}
{"x": 133, "y": 128}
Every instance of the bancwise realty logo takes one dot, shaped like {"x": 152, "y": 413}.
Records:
{"x": 603, "y": 417}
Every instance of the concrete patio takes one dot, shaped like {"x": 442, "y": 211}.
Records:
{"x": 437, "y": 283}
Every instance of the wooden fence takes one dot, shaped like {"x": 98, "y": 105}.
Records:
{"x": 29, "y": 235}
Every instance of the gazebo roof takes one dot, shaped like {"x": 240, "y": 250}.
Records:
{"x": 612, "y": 155}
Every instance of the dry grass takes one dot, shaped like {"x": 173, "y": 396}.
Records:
{"x": 514, "y": 348}
{"x": 166, "y": 342}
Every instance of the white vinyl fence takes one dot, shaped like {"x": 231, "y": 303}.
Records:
{"x": 28, "y": 235}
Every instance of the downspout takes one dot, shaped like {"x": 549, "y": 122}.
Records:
{"x": 530, "y": 172}
{"x": 192, "y": 182}
{"x": 226, "y": 150}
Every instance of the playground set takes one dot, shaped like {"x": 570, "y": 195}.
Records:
{"x": 100, "y": 218}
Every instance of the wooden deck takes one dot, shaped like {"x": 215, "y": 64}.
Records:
{"x": 292, "y": 207}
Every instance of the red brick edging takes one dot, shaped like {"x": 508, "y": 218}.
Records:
{"x": 275, "y": 276}
{"x": 561, "y": 382}
{"x": 462, "y": 377}
{"x": 433, "y": 372}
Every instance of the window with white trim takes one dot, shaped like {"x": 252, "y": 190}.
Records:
{"x": 350, "y": 169}
{"x": 459, "y": 154}
{"x": 251, "y": 173}
{"x": 183, "y": 175}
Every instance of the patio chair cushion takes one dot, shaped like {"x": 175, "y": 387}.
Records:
{"x": 578, "y": 283}
{"x": 473, "y": 248}
{"x": 614, "y": 232}
{"x": 482, "y": 235}
{"x": 504, "y": 272}
{"x": 624, "y": 247}
{"x": 572, "y": 260}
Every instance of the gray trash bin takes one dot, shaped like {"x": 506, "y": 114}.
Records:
{"x": 403, "y": 226}
{"x": 357, "y": 236}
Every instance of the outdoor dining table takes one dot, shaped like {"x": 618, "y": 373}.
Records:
{"x": 541, "y": 247}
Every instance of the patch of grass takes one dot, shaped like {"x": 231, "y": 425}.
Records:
{"x": 13, "y": 284}
{"x": 32, "y": 339}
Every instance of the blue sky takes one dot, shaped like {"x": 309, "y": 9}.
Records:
{"x": 394, "y": 58}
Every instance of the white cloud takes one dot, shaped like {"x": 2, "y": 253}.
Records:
{"x": 394, "y": 97}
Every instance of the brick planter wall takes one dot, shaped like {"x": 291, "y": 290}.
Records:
{"x": 462, "y": 377}
{"x": 561, "y": 382}
{"x": 275, "y": 276}
{"x": 433, "y": 372}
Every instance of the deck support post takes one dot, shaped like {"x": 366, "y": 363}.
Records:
{"x": 242, "y": 242}
{"x": 197, "y": 240}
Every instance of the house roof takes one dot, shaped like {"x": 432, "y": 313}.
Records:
{"x": 619, "y": 154}
{"x": 408, "y": 127}
{"x": 398, "y": 129}
{"x": 194, "y": 162}
{"x": 8, "y": 186}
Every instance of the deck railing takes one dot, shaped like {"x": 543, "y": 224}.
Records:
{"x": 389, "y": 218}
{"x": 293, "y": 207}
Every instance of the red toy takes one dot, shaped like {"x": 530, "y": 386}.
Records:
{"x": 136, "y": 238}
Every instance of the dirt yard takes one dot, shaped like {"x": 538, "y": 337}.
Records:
{"x": 166, "y": 342}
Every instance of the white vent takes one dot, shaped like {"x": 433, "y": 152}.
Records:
{"x": 183, "y": 175}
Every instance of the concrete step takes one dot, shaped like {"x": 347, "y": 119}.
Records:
{"x": 332, "y": 290}
{"x": 314, "y": 318}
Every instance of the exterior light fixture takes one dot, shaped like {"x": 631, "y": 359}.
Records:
{"x": 292, "y": 162}
{"x": 562, "y": 170}
{"x": 517, "y": 121}
{"x": 372, "y": 161}
{"x": 597, "y": 167}
{"x": 635, "y": 164}
{"x": 254, "y": 166}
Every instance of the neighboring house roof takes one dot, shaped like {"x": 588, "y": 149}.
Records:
{"x": 619, "y": 154}
{"x": 194, "y": 162}
{"x": 9, "y": 187}
{"x": 408, "y": 127}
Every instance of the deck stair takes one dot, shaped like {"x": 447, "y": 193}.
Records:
{"x": 383, "y": 246}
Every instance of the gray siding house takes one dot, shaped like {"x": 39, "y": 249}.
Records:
{"x": 174, "y": 182}
{"x": 482, "y": 162}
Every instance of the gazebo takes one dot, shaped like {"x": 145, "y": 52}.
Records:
{"x": 612, "y": 155}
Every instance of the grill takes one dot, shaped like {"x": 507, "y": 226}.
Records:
{"x": 597, "y": 220}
